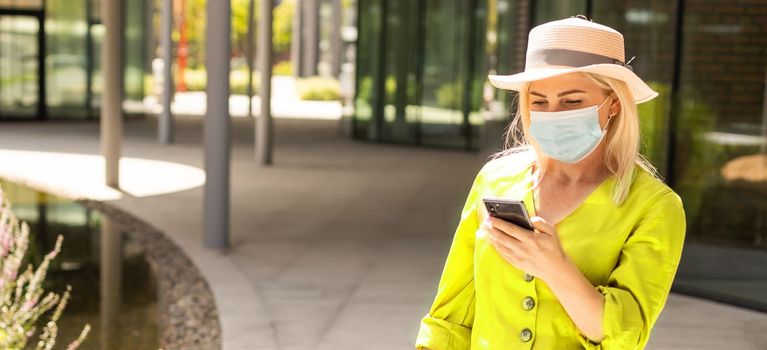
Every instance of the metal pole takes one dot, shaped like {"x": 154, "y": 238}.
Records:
{"x": 311, "y": 36}
{"x": 297, "y": 38}
{"x": 375, "y": 132}
{"x": 149, "y": 49}
{"x": 217, "y": 126}
{"x": 335, "y": 38}
{"x": 111, "y": 107}
{"x": 42, "y": 105}
{"x": 264, "y": 123}
{"x": 165, "y": 127}
{"x": 89, "y": 64}
{"x": 675, "y": 96}
{"x": 420, "y": 33}
{"x": 466, "y": 104}
{"x": 249, "y": 52}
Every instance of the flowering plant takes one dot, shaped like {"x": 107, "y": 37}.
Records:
{"x": 21, "y": 294}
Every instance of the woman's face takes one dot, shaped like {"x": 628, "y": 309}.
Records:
{"x": 570, "y": 91}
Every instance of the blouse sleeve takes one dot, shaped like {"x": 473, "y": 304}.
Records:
{"x": 448, "y": 324}
{"x": 637, "y": 289}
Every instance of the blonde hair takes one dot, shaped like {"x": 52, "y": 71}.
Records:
{"x": 622, "y": 140}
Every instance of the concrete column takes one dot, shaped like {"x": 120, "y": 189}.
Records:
{"x": 264, "y": 124}
{"x": 249, "y": 52}
{"x": 336, "y": 54}
{"x": 217, "y": 125}
{"x": 165, "y": 126}
{"x": 310, "y": 42}
{"x": 111, "y": 100}
{"x": 150, "y": 51}
{"x": 295, "y": 42}
{"x": 110, "y": 250}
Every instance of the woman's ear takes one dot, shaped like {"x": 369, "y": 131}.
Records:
{"x": 615, "y": 106}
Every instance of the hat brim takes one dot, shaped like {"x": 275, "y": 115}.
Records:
{"x": 639, "y": 89}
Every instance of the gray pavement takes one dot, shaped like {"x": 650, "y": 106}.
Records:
{"x": 340, "y": 244}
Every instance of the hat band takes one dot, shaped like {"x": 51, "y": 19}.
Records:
{"x": 566, "y": 57}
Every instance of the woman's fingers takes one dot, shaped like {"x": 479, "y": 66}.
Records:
{"x": 503, "y": 238}
{"x": 507, "y": 245}
{"x": 511, "y": 229}
{"x": 507, "y": 252}
{"x": 542, "y": 225}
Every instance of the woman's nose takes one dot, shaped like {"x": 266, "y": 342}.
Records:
{"x": 556, "y": 108}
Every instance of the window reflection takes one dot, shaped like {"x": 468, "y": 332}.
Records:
{"x": 421, "y": 71}
{"x": 19, "y": 84}
{"x": 96, "y": 259}
{"x": 718, "y": 162}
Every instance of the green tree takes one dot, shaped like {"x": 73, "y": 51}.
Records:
{"x": 195, "y": 31}
{"x": 195, "y": 21}
{"x": 240, "y": 25}
{"x": 283, "y": 26}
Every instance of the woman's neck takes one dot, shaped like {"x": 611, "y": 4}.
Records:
{"x": 589, "y": 170}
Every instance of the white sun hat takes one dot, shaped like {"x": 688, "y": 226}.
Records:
{"x": 575, "y": 44}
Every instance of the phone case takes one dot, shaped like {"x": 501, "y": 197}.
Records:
{"x": 511, "y": 210}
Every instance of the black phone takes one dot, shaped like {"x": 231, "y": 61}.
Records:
{"x": 513, "y": 211}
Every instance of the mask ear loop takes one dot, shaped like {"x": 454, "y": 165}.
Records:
{"x": 609, "y": 117}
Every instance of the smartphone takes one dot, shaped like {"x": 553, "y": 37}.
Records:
{"x": 513, "y": 211}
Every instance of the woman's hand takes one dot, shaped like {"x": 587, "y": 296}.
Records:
{"x": 537, "y": 252}
{"x": 540, "y": 254}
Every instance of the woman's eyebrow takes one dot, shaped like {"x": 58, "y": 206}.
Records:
{"x": 569, "y": 92}
{"x": 559, "y": 94}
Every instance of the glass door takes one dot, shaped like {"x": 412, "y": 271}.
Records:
{"x": 19, "y": 66}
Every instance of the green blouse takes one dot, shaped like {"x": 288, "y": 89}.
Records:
{"x": 630, "y": 253}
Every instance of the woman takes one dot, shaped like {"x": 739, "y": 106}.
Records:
{"x": 596, "y": 270}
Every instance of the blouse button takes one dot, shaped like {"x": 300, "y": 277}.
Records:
{"x": 528, "y": 303}
{"x": 528, "y": 277}
{"x": 525, "y": 335}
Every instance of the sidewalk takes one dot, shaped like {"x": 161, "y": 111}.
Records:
{"x": 339, "y": 245}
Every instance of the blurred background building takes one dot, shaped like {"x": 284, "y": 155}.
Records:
{"x": 414, "y": 73}
{"x": 49, "y": 57}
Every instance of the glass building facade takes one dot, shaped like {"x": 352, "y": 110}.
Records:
{"x": 50, "y": 57}
{"x": 421, "y": 79}
{"x": 417, "y": 71}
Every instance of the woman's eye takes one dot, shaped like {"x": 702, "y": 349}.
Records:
{"x": 538, "y": 103}
{"x": 572, "y": 101}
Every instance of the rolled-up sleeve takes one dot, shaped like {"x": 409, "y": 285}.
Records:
{"x": 637, "y": 289}
{"x": 448, "y": 324}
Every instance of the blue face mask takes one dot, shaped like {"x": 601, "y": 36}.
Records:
{"x": 568, "y": 136}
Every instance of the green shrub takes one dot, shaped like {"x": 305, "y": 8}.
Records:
{"x": 196, "y": 79}
{"x": 318, "y": 89}
{"x": 148, "y": 84}
{"x": 283, "y": 68}
{"x": 450, "y": 95}
{"x": 365, "y": 90}
{"x": 238, "y": 81}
